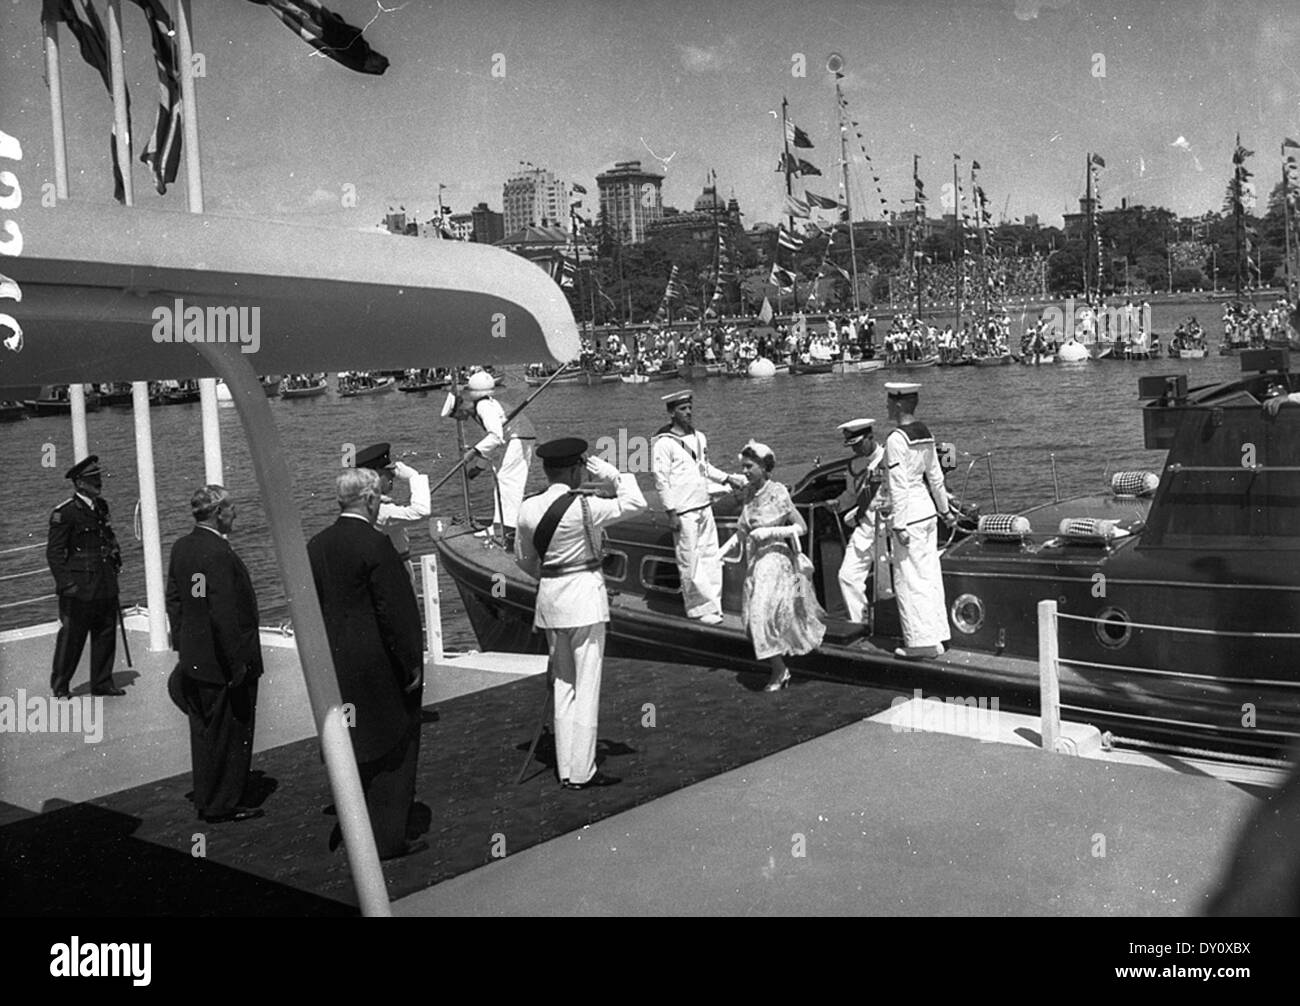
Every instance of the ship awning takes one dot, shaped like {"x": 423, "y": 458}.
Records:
{"x": 101, "y": 286}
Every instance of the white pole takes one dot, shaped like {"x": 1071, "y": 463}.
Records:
{"x": 56, "y": 108}
{"x": 213, "y": 467}
{"x": 80, "y": 442}
{"x": 153, "y": 578}
{"x": 118, "y": 80}
{"x": 1049, "y": 684}
{"x": 432, "y": 607}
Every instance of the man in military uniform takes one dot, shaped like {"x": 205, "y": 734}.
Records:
{"x": 682, "y": 473}
{"x": 516, "y": 437}
{"x": 84, "y": 558}
{"x": 867, "y": 498}
{"x": 394, "y": 518}
{"x": 559, "y": 542}
{"x": 919, "y": 498}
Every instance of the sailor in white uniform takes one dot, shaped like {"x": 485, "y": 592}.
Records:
{"x": 394, "y": 519}
{"x": 679, "y": 458}
{"x": 919, "y": 498}
{"x": 559, "y": 542}
{"x": 868, "y": 497}
{"x": 516, "y": 437}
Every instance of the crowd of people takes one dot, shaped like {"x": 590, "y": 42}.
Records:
{"x": 1006, "y": 278}
{"x": 1245, "y": 325}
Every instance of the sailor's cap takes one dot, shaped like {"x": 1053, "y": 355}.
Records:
{"x": 897, "y": 389}
{"x": 855, "y": 430}
{"x": 87, "y": 467}
{"x": 674, "y": 399}
{"x": 563, "y": 453}
{"x": 376, "y": 457}
{"x": 480, "y": 385}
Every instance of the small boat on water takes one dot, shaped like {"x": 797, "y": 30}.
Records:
{"x": 304, "y": 386}
{"x": 993, "y": 361}
{"x": 797, "y": 366}
{"x": 858, "y": 366}
{"x": 115, "y": 395}
{"x": 10, "y": 411}
{"x": 360, "y": 385}
{"x": 1162, "y": 652}
{"x": 271, "y": 385}
{"x": 180, "y": 392}
{"x": 925, "y": 361}
{"x": 1072, "y": 351}
{"x": 54, "y": 401}
{"x": 1187, "y": 353}
{"x": 424, "y": 381}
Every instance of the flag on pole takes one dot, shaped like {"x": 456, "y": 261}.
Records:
{"x": 579, "y": 188}
{"x": 795, "y": 207}
{"x": 804, "y": 168}
{"x": 327, "y": 33}
{"x": 821, "y": 202}
{"x": 788, "y": 239}
{"x": 83, "y": 21}
{"x": 765, "y": 313}
{"x": 797, "y": 136}
{"x": 1097, "y": 160}
{"x": 163, "y": 154}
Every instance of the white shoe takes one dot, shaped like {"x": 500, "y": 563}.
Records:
{"x": 710, "y": 619}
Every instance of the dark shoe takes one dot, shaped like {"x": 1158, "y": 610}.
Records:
{"x": 599, "y": 779}
{"x": 111, "y": 691}
{"x": 62, "y": 693}
{"x": 408, "y": 849}
{"x": 238, "y": 814}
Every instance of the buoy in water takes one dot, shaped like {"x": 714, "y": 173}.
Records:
{"x": 1072, "y": 352}
{"x": 762, "y": 367}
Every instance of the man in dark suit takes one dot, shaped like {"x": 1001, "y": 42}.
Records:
{"x": 373, "y": 623}
{"x": 213, "y": 614}
{"x": 83, "y": 555}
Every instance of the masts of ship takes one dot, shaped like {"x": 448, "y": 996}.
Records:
{"x": 1286, "y": 217}
{"x": 787, "y": 165}
{"x": 958, "y": 243}
{"x": 919, "y": 224}
{"x": 848, "y": 204}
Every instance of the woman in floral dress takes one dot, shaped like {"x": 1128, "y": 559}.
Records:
{"x": 780, "y": 608}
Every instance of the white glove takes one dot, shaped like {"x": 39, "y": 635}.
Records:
{"x": 404, "y": 471}
{"x": 602, "y": 469}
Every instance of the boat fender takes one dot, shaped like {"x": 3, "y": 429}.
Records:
{"x": 1090, "y": 529}
{"x": 1004, "y": 527}
{"x": 1134, "y": 483}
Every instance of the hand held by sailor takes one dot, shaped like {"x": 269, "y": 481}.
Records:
{"x": 403, "y": 471}
{"x": 902, "y": 536}
{"x": 1272, "y": 405}
{"x": 469, "y": 456}
{"x": 602, "y": 469}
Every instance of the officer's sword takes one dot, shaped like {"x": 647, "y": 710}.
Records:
{"x": 126, "y": 646}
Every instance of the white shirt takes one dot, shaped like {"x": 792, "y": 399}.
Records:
{"x": 492, "y": 415}
{"x": 916, "y": 487}
{"x": 578, "y": 598}
{"x": 682, "y": 481}
{"x": 394, "y": 520}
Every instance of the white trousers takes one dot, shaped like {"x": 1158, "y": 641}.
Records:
{"x": 918, "y": 585}
{"x": 699, "y": 564}
{"x": 577, "y": 656}
{"x": 511, "y": 478}
{"x": 855, "y": 569}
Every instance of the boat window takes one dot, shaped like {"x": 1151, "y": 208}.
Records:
{"x": 614, "y": 565}
{"x": 660, "y": 575}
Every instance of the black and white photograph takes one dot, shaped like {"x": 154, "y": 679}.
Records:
{"x": 608, "y": 459}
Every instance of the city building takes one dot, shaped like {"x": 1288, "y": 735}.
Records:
{"x": 461, "y": 226}
{"x": 489, "y": 226}
{"x": 630, "y": 199}
{"x": 535, "y": 198}
{"x": 699, "y": 223}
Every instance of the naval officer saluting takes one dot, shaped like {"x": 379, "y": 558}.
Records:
{"x": 918, "y": 497}
{"x": 394, "y": 518}
{"x": 868, "y": 497}
{"x": 84, "y": 558}
{"x": 559, "y": 542}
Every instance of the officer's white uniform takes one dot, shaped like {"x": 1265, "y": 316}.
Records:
{"x": 682, "y": 473}
{"x": 394, "y": 520}
{"x": 860, "y": 551}
{"x": 517, "y": 437}
{"x": 916, "y": 489}
{"x": 572, "y": 607}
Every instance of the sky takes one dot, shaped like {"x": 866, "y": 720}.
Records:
{"x": 1158, "y": 88}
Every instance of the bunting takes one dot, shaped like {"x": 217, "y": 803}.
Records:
{"x": 795, "y": 207}
{"x": 821, "y": 202}
{"x": 788, "y": 239}
{"x": 797, "y": 136}
{"x": 781, "y": 277}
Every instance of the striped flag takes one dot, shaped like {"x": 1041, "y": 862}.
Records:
{"x": 327, "y": 33}
{"x": 795, "y": 207}
{"x": 788, "y": 239}
{"x": 83, "y": 21}
{"x": 163, "y": 154}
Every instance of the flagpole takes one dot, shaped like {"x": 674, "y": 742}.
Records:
{"x": 920, "y": 229}
{"x": 958, "y": 246}
{"x": 848, "y": 203}
{"x": 789, "y": 190}
{"x": 1286, "y": 221}
{"x": 213, "y": 466}
{"x": 56, "y": 107}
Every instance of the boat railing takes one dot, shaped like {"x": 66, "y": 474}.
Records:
{"x": 23, "y": 574}
{"x": 1049, "y": 667}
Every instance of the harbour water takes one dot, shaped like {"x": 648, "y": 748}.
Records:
{"x": 1087, "y": 414}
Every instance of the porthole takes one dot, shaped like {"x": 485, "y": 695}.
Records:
{"x": 968, "y": 614}
{"x": 614, "y": 565}
{"x": 1113, "y": 630}
{"x": 660, "y": 575}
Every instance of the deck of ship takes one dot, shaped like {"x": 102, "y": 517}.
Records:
{"x": 733, "y": 802}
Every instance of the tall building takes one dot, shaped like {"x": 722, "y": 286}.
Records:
{"x": 489, "y": 226}
{"x": 535, "y": 198}
{"x": 630, "y": 198}
{"x": 461, "y": 226}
